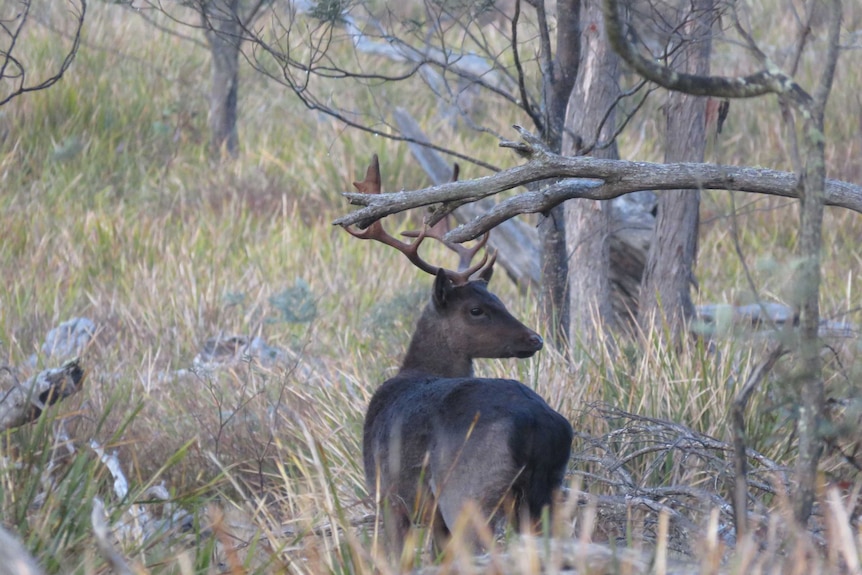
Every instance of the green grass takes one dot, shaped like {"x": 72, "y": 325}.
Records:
{"x": 112, "y": 210}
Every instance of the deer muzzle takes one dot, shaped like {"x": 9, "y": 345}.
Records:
{"x": 532, "y": 344}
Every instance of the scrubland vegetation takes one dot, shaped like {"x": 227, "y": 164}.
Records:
{"x": 112, "y": 209}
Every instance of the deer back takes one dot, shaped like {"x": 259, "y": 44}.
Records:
{"x": 435, "y": 436}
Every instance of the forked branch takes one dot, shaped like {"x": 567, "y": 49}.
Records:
{"x": 589, "y": 178}
{"x": 13, "y": 70}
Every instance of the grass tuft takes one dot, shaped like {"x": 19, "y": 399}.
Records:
{"x": 250, "y": 461}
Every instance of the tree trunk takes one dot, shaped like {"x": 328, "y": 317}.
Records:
{"x": 223, "y": 33}
{"x": 668, "y": 275}
{"x": 812, "y": 198}
{"x": 810, "y": 377}
{"x": 588, "y": 221}
{"x": 552, "y": 229}
{"x": 553, "y": 298}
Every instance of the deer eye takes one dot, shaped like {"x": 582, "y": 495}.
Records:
{"x": 477, "y": 311}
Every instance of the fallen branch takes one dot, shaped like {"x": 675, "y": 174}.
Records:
{"x": 764, "y": 318}
{"x": 25, "y": 402}
{"x": 654, "y": 466}
{"x": 138, "y": 525}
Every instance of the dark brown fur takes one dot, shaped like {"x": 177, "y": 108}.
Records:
{"x": 435, "y": 436}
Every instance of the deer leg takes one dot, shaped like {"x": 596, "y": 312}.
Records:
{"x": 396, "y": 523}
{"x": 440, "y": 532}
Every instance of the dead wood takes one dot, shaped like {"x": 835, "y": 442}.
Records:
{"x": 22, "y": 403}
{"x": 644, "y": 467}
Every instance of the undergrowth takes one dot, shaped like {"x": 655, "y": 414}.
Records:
{"x": 111, "y": 209}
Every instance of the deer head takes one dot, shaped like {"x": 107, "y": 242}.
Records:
{"x": 464, "y": 320}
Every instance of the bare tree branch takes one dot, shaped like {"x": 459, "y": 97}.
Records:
{"x": 769, "y": 81}
{"x": 517, "y": 245}
{"x": 605, "y": 179}
{"x": 141, "y": 11}
{"x": 526, "y": 104}
{"x": 295, "y": 49}
{"x": 13, "y": 71}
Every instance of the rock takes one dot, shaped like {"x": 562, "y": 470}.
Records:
{"x": 69, "y": 339}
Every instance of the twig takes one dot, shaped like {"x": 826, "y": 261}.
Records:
{"x": 12, "y": 69}
{"x": 647, "y": 444}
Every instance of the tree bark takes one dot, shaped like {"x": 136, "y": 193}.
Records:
{"x": 590, "y": 128}
{"x": 552, "y": 229}
{"x": 669, "y": 273}
{"x": 812, "y": 193}
{"x": 222, "y": 24}
{"x": 810, "y": 377}
{"x": 553, "y": 296}
{"x": 812, "y": 198}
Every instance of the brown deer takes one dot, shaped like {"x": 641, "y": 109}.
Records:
{"x": 436, "y": 436}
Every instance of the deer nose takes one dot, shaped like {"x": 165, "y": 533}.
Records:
{"x": 536, "y": 341}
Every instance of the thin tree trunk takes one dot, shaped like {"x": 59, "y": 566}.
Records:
{"x": 554, "y": 293}
{"x": 668, "y": 275}
{"x": 221, "y": 21}
{"x": 812, "y": 197}
{"x": 588, "y": 221}
{"x": 552, "y": 229}
{"x": 810, "y": 377}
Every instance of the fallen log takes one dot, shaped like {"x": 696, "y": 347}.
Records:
{"x": 22, "y": 403}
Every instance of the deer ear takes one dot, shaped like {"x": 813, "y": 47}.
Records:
{"x": 442, "y": 289}
{"x": 486, "y": 273}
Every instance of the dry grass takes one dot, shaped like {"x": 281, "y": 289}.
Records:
{"x": 111, "y": 210}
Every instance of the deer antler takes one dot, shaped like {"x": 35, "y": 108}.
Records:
{"x": 371, "y": 185}
{"x": 465, "y": 254}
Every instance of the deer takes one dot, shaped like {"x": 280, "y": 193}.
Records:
{"x": 435, "y": 436}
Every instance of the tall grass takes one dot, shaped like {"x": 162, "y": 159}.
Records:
{"x": 112, "y": 210}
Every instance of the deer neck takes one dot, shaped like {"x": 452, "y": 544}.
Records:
{"x": 431, "y": 350}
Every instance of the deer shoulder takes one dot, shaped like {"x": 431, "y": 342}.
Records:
{"x": 436, "y": 437}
